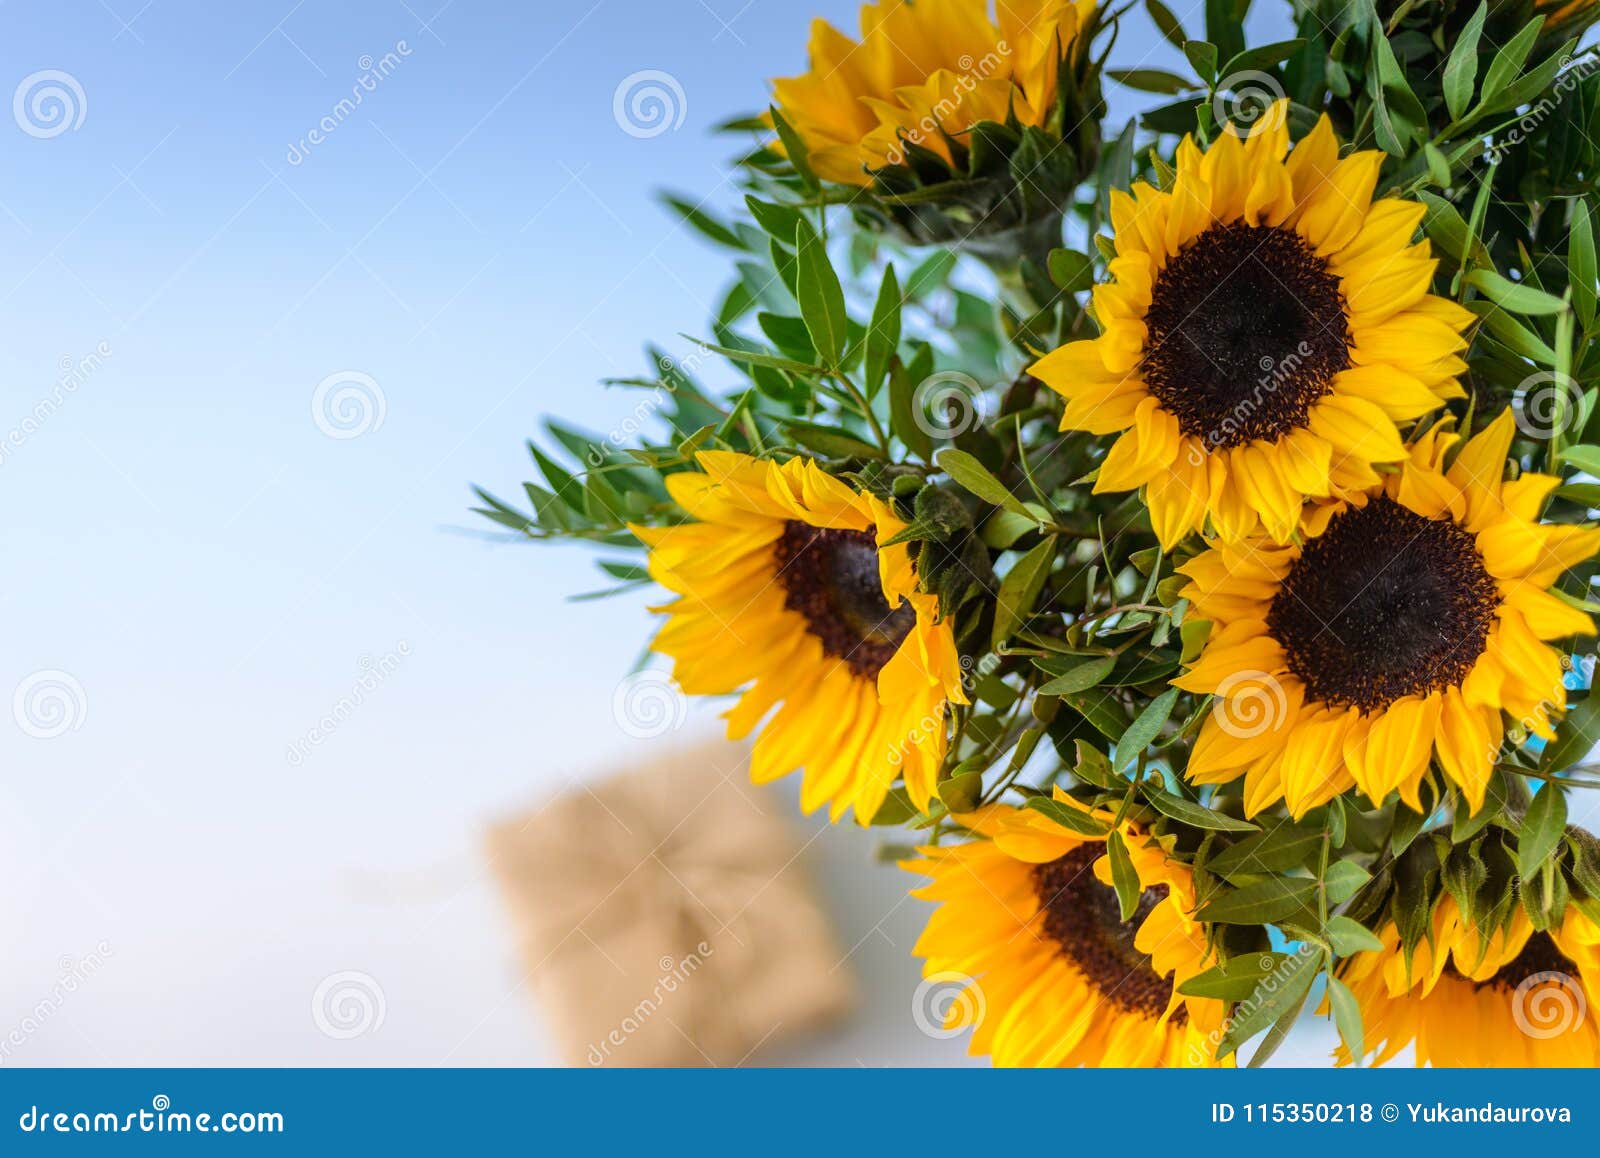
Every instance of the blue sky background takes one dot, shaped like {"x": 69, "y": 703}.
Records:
{"x": 479, "y": 238}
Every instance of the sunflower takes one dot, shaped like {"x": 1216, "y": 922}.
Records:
{"x": 1410, "y": 618}
{"x": 787, "y": 595}
{"x": 1266, "y": 326}
{"x": 923, "y": 72}
{"x": 1029, "y": 926}
{"x": 1515, "y": 998}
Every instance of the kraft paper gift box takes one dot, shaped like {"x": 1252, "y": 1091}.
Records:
{"x": 665, "y": 917}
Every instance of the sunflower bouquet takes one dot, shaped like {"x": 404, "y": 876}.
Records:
{"x": 1178, "y": 537}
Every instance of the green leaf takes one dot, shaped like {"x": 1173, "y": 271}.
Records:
{"x": 930, "y": 275}
{"x": 1508, "y": 62}
{"x": 1281, "y": 1028}
{"x": 1397, "y": 115}
{"x": 1261, "y": 903}
{"x": 1516, "y": 337}
{"x": 1262, "y": 58}
{"x": 1347, "y": 1016}
{"x": 1407, "y": 824}
{"x": 1225, "y": 24}
{"x": 1518, "y": 298}
{"x": 1583, "y": 456}
{"x": 1151, "y": 80}
{"x": 1072, "y": 819}
{"x": 1581, "y": 262}
{"x": 1235, "y": 979}
{"x": 1445, "y": 228}
{"x": 1343, "y": 880}
{"x": 1279, "y": 994}
{"x": 1198, "y": 815}
{"x": 895, "y": 810}
{"x": 972, "y": 476}
{"x": 1124, "y": 877}
{"x": 1019, "y": 590}
{"x": 1543, "y": 826}
{"x": 1350, "y": 936}
{"x": 1091, "y": 766}
{"x": 1584, "y": 494}
{"x": 1081, "y": 678}
{"x": 1438, "y": 164}
{"x": 1100, "y": 709}
{"x": 562, "y": 482}
{"x": 1004, "y": 528}
{"x": 962, "y": 792}
{"x": 706, "y": 224}
{"x": 830, "y": 441}
{"x": 1203, "y": 58}
{"x": 778, "y": 221}
{"x": 794, "y": 147}
{"x": 1145, "y": 727}
{"x": 1071, "y": 271}
{"x": 1167, "y": 23}
{"x": 757, "y": 358}
{"x": 1279, "y": 849}
{"x": 883, "y": 333}
{"x": 1461, "y": 69}
{"x": 1576, "y": 735}
{"x": 902, "y": 413}
{"x": 820, "y": 295}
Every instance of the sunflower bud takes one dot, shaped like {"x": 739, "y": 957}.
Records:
{"x": 952, "y": 125}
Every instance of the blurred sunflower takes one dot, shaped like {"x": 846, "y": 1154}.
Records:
{"x": 1517, "y": 998}
{"x": 1056, "y": 977}
{"x": 787, "y": 596}
{"x": 1410, "y": 617}
{"x": 923, "y": 73}
{"x": 1266, "y": 326}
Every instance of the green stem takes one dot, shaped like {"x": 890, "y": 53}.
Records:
{"x": 865, "y": 407}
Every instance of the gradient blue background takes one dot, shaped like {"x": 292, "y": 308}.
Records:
{"x": 480, "y": 238}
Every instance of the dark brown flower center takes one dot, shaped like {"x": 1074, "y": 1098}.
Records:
{"x": 1247, "y": 328}
{"x": 1385, "y": 603}
{"x": 830, "y": 577}
{"x": 1083, "y": 917}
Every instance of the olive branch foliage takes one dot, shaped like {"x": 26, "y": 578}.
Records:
{"x": 1068, "y": 615}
